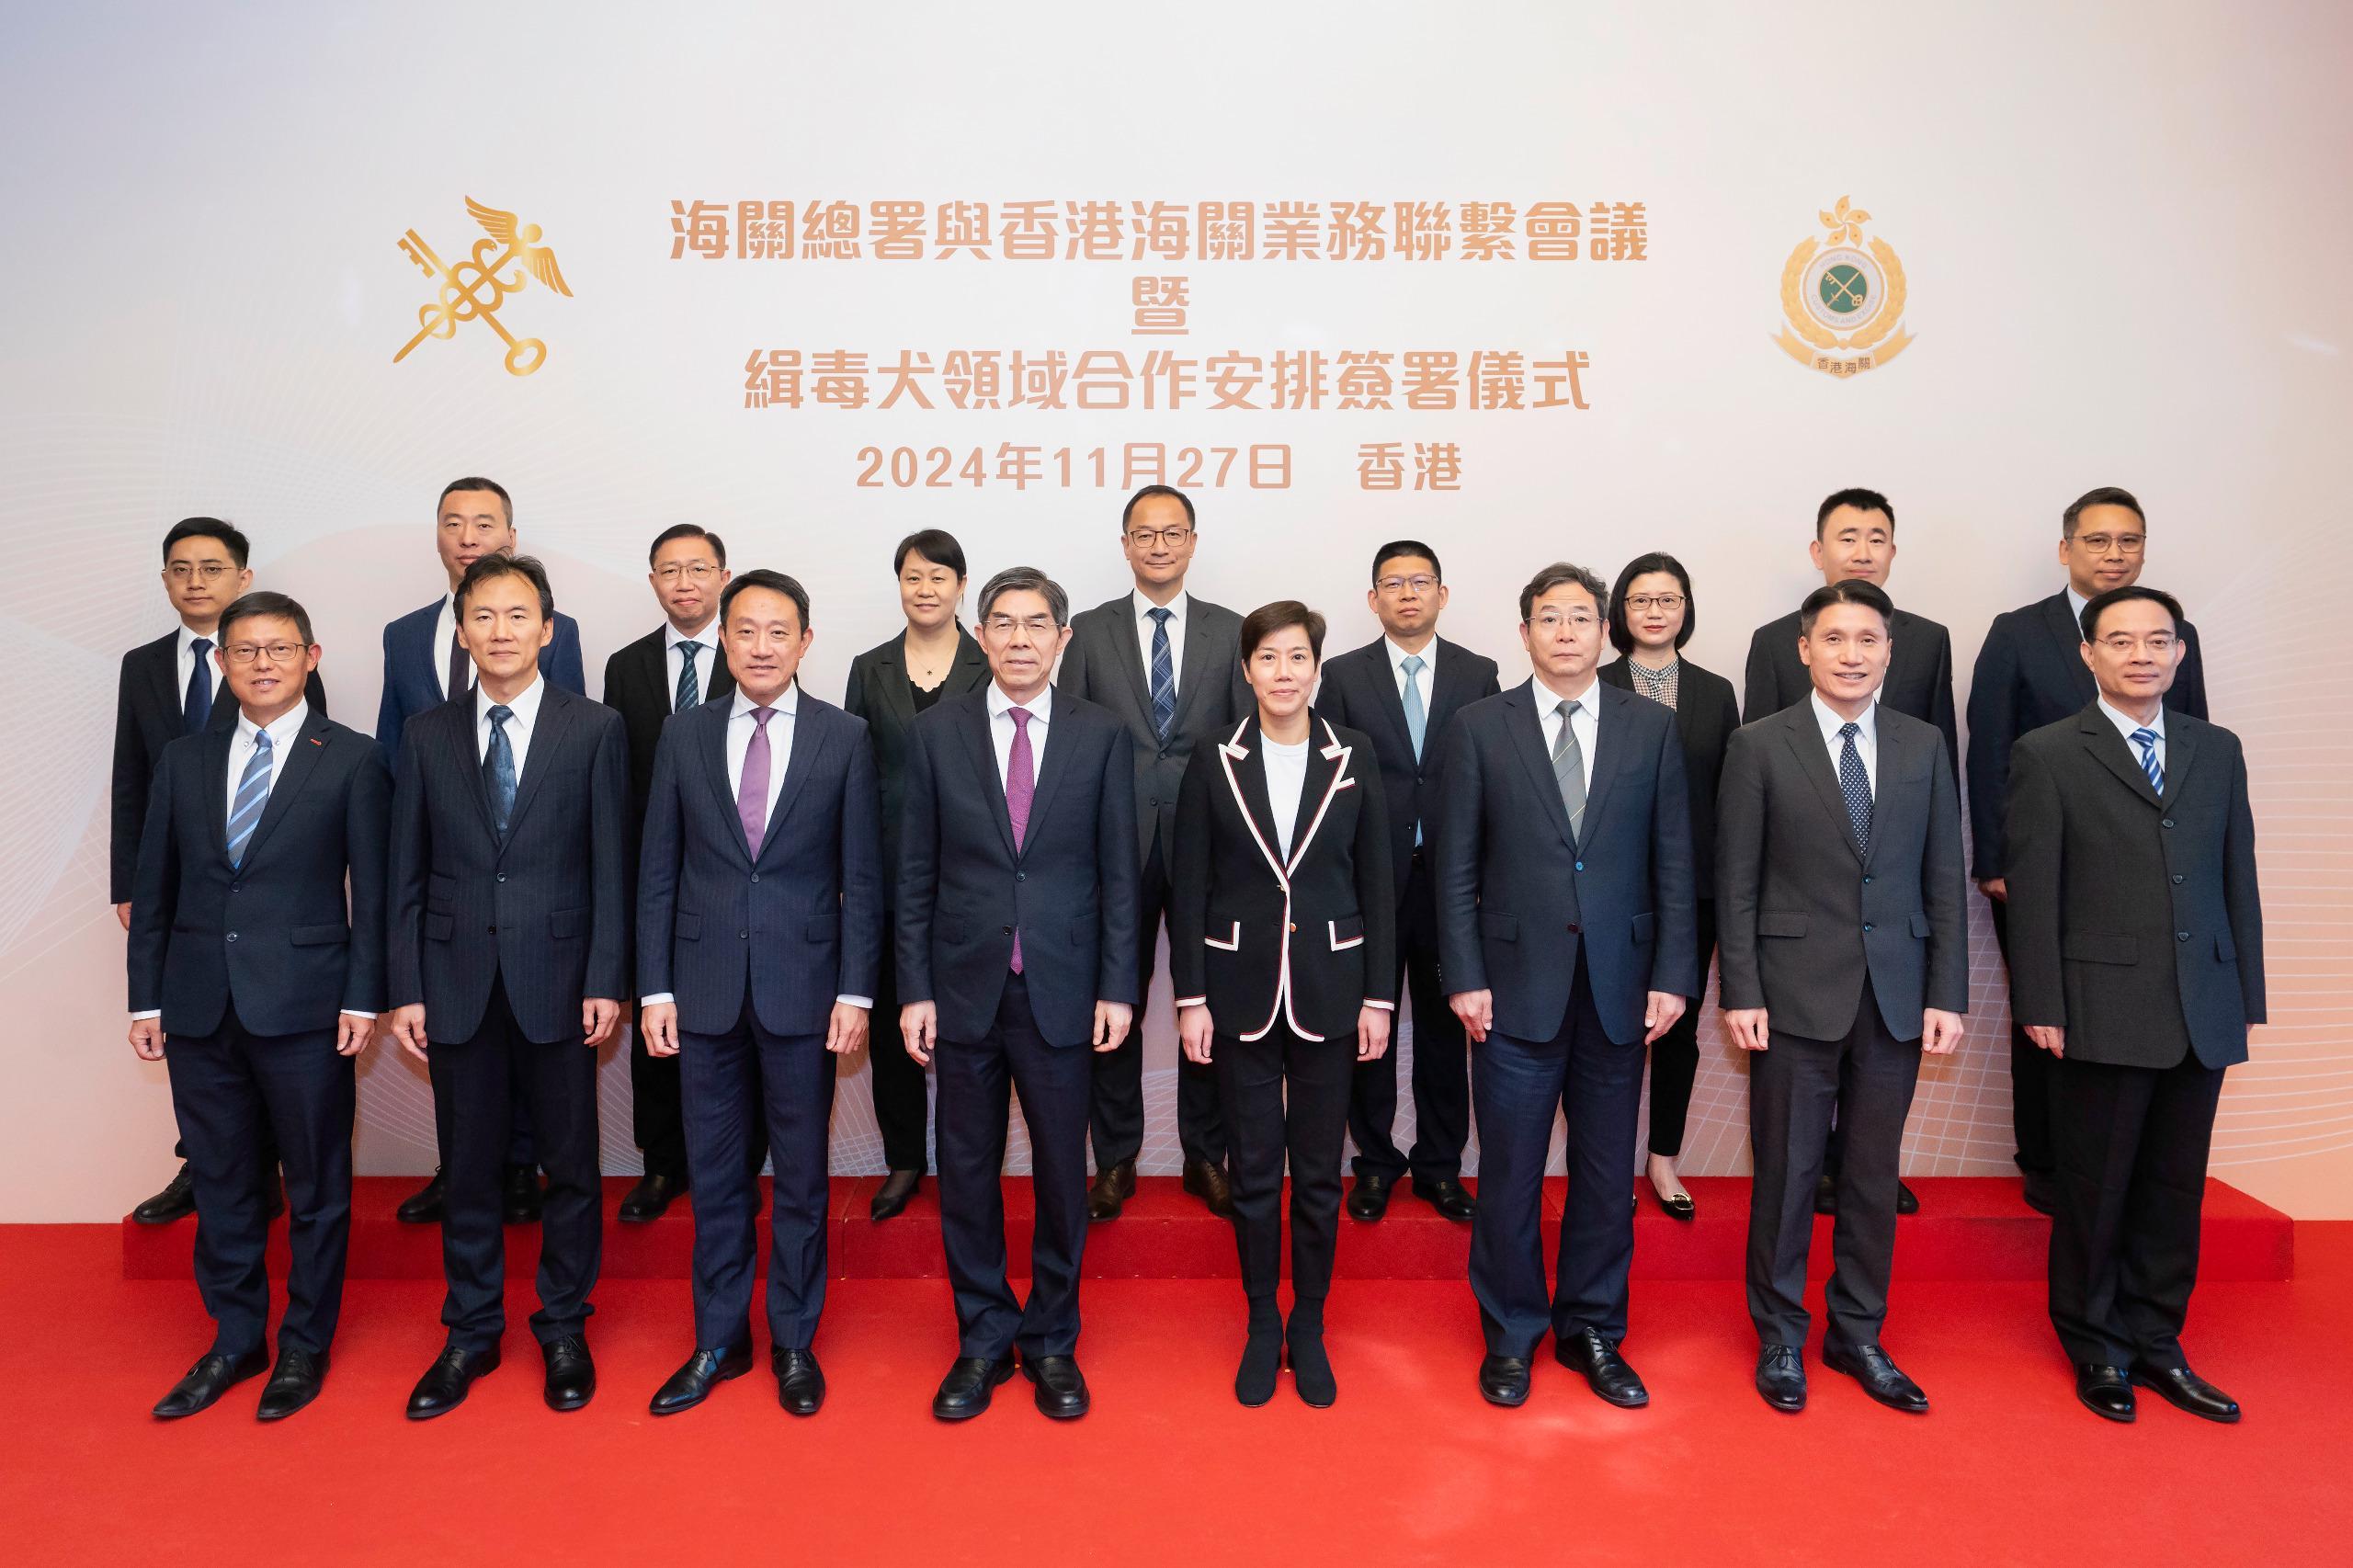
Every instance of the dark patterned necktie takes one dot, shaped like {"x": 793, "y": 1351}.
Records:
{"x": 1164, "y": 676}
{"x": 689, "y": 687}
{"x": 1856, "y": 785}
{"x": 498, "y": 769}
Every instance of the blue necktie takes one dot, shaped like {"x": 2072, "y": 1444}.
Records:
{"x": 498, "y": 769}
{"x": 253, "y": 795}
{"x": 2147, "y": 740}
{"x": 689, "y": 687}
{"x": 1164, "y": 676}
{"x": 1417, "y": 719}
{"x": 196, "y": 708}
{"x": 1856, "y": 785}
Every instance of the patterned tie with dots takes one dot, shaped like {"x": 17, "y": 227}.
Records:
{"x": 1856, "y": 785}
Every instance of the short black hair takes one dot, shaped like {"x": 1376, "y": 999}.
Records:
{"x": 1622, "y": 636}
{"x": 1560, "y": 575}
{"x": 1398, "y": 549}
{"x": 2105, "y": 495}
{"x": 499, "y": 564}
{"x": 687, "y": 531}
{"x": 257, "y": 604}
{"x": 935, "y": 545}
{"x": 231, "y": 539}
{"x": 1845, "y": 591}
{"x": 476, "y": 482}
{"x": 775, "y": 583}
{"x": 1150, "y": 491}
{"x": 2102, "y": 603}
{"x": 1268, "y": 619}
{"x": 1861, "y": 500}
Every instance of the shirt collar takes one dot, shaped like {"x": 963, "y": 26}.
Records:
{"x": 187, "y": 640}
{"x": 1548, "y": 701}
{"x": 708, "y": 636}
{"x": 2075, "y": 603}
{"x": 282, "y": 729}
{"x": 1397, "y": 656}
{"x": 525, "y": 705}
{"x": 1040, "y": 707}
{"x": 1144, "y": 606}
{"x": 789, "y": 704}
{"x": 2125, "y": 723}
{"x": 1827, "y": 718}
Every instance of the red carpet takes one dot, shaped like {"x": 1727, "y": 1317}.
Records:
{"x": 1410, "y": 1466}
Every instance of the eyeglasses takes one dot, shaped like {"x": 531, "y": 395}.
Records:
{"x": 278, "y": 652}
{"x": 697, "y": 571}
{"x": 1552, "y": 621}
{"x": 2124, "y": 644}
{"x": 1036, "y": 625}
{"x": 2125, "y": 544}
{"x": 210, "y": 571}
{"x": 1666, "y": 604}
{"x": 1172, "y": 536}
{"x": 1421, "y": 584}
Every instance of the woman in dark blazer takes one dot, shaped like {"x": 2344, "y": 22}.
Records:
{"x": 1283, "y": 950}
{"x": 1651, "y": 617}
{"x": 934, "y": 657}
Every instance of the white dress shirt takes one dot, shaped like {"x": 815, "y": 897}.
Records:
{"x": 1587, "y": 721}
{"x": 706, "y": 664}
{"x": 2125, "y": 724}
{"x": 1177, "y": 609}
{"x": 1866, "y": 738}
{"x": 1423, "y": 678}
{"x": 1040, "y": 711}
{"x": 1286, "y": 782}
{"x": 445, "y": 628}
{"x": 523, "y": 719}
{"x": 2075, "y": 603}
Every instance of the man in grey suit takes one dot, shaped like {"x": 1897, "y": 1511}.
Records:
{"x": 1168, "y": 666}
{"x": 1839, "y": 909}
{"x": 2136, "y": 960}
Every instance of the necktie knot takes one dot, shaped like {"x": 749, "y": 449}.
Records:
{"x": 200, "y": 646}
{"x": 1413, "y": 666}
{"x": 760, "y": 716}
{"x": 499, "y": 714}
{"x": 2146, "y": 739}
{"x": 1021, "y": 716}
{"x": 1848, "y": 730}
{"x": 1160, "y": 614}
{"x": 261, "y": 742}
{"x": 1568, "y": 709}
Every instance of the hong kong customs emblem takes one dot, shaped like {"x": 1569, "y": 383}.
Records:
{"x": 1842, "y": 299}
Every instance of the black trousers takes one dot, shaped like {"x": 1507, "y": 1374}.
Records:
{"x": 1516, "y": 1087}
{"x": 476, "y": 1083}
{"x": 2133, "y": 1146}
{"x": 1441, "y": 1076}
{"x": 231, "y": 1090}
{"x": 268, "y": 1150}
{"x": 2034, "y": 1078}
{"x": 1794, "y": 1085}
{"x": 1282, "y": 1094}
{"x": 782, "y": 1085}
{"x": 1675, "y": 1055}
{"x": 977, "y": 1082}
{"x": 657, "y": 1113}
{"x": 901, "y": 1097}
{"x": 1117, "y": 1111}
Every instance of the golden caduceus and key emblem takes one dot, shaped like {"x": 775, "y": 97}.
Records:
{"x": 473, "y": 289}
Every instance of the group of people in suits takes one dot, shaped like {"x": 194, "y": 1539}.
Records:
{"x": 966, "y": 867}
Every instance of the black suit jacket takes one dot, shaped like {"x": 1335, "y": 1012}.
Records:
{"x": 1071, "y": 887}
{"x": 546, "y": 910}
{"x": 2031, "y": 673}
{"x": 1518, "y": 898}
{"x": 1104, "y": 665}
{"x": 1309, "y": 940}
{"x": 1802, "y": 916}
{"x": 1919, "y": 674}
{"x": 878, "y": 693}
{"x": 2135, "y": 921}
{"x": 147, "y": 707}
{"x": 275, "y": 934}
{"x": 1705, "y": 717}
{"x": 809, "y": 905}
{"x": 1360, "y": 689}
{"x": 638, "y": 688}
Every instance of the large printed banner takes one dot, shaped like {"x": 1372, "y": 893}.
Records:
{"x": 1528, "y": 283}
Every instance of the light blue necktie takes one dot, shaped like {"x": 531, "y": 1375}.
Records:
{"x": 1164, "y": 676}
{"x": 1417, "y": 719}
{"x": 498, "y": 769}
{"x": 2147, "y": 740}
{"x": 253, "y": 795}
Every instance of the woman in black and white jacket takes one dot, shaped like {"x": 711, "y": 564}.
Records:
{"x": 1283, "y": 949}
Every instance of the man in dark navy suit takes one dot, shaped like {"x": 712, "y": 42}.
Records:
{"x": 425, "y": 665}
{"x": 245, "y": 956}
{"x": 509, "y": 960}
{"x": 759, "y": 944}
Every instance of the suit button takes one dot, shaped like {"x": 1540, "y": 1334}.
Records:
{"x": 234, "y": 887}
{"x": 743, "y": 936}
{"x": 232, "y": 936}
{"x": 2177, "y": 879}
{"x": 1008, "y": 930}
{"x": 494, "y": 930}
{"x": 756, "y": 876}
{"x": 501, "y": 876}
{"x": 1867, "y": 880}
{"x": 2167, "y": 822}
{"x": 1866, "y": 928}
{"x": 1580, "y": 865}
{"x": 1020, "y": 876}
{"x": 1575, "y": 929}
{"x": 1294, "y": 925}
{"x": 2181, "y": 936}
{"x": 1155, "y": 801}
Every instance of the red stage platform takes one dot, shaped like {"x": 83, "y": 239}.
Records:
{"x": 1969, "y": 1228}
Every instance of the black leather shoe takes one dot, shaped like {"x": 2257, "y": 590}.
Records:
{"x": 447, "y": 1382}
{"x": 1448, "y": 1196}
{"x": 2041, "y": 1192}
{"x": 1586, "y": 1352}
{"x": 293, "y": 1383}
{"x": 704, "y": 1371}
{"x": 1780, "y": 1377}
{"x": 211, "y": 1377}
{"x": 799, "y": 1383}
{"x": 1114, "y": 1185}
{"x": 1907, "y": 1200}
{"x": 424, "y": 1206}
{"x": 1061, "y": 1392}
{"x": 1262, "y": 1363}
{"x": 1503, "y": 1380}
{"x": 2185, "y": 1390}
{"x": 1678, "y": 1206}
{"x": 651, "y": 1197}
{"x": 964, "y": 1391}
{"x": 1209, "y": 1183}
{"x": 1311, "y": 1369}
{"x": 176, "y": 1202}
{"x": 890, "y": 1197}
{"x": 521, "y": 1200}
{"x": 572, "y": 1376}
{"x": 1870, "y": 1366}
{"x": 1369, "y": 1196}
{"x": 2106, "y": 1391}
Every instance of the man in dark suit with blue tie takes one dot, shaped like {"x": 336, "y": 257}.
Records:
{"x": 425, "y": 665}
{"x": 244, "y": 955}
{"x": 1016, "y": 922}
{"x": 1568, "y": 934}
{"x": 759, "y": 941}
{"x": 2031, "y": 673}
{"x": 509, "y": 960}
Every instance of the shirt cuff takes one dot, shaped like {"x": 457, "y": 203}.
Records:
{"x": 865, "y": 1002}
{"x": 150, "y": 1013}
{"x": 355, "y": 1013}
{"x": 1192, "y": 1001}
{"x": 660, "y": 998}
{"x": 1384, "y": 1006}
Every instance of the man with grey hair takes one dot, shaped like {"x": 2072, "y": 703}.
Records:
{"x": 1015, "y": 921}
{"x": 1568, "y": 938}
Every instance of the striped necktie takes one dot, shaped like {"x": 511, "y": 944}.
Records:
{"x": 1164, "y": 676}
{"x": 689, "y": 685}
{"x": 252, "y": 796}
{"x": 1568, "y": 771}
{"x": 2147, "y": 740}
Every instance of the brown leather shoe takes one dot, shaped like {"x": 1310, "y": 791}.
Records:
{"x": 1209, "y": 1183}
{"x": 1114, "y": 1185}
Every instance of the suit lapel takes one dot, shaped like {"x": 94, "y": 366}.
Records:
{"x": 1528, "y": 737}
{"x": 808, "y": 742}
{"x": 1891, "y": 758}
{"x": 216, "y": 788}
{"x": 547, "y": 736}
{"x": 974, "y": 723}
{"x": 2067, "y": 640}
{"x": 971, "y": 670}
{"x": 891, "y": 684}
{"x": 722, "y": 680}
{"x": 162, "y": 669}
{"x": 1805, "y": 738}
{"x": 1609, "y": 746}
{"x": 1050, "y": 769}
{"x": 1326, "y": 757}
{"x": 302, "y": 758}
{"x": 1392, "y": 705}
{"x": 2181, "y": 750}
{"x": 2110, "y": 748}
{"x": 1245, "y": 764}
{"x": 1124, "y": 648}
{"x": 711, "y": 746}
{"x": 1199, "y": 656}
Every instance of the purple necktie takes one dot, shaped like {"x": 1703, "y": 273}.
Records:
{"x": 1020, "y": 789}
{"x": 752, "y": 793}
